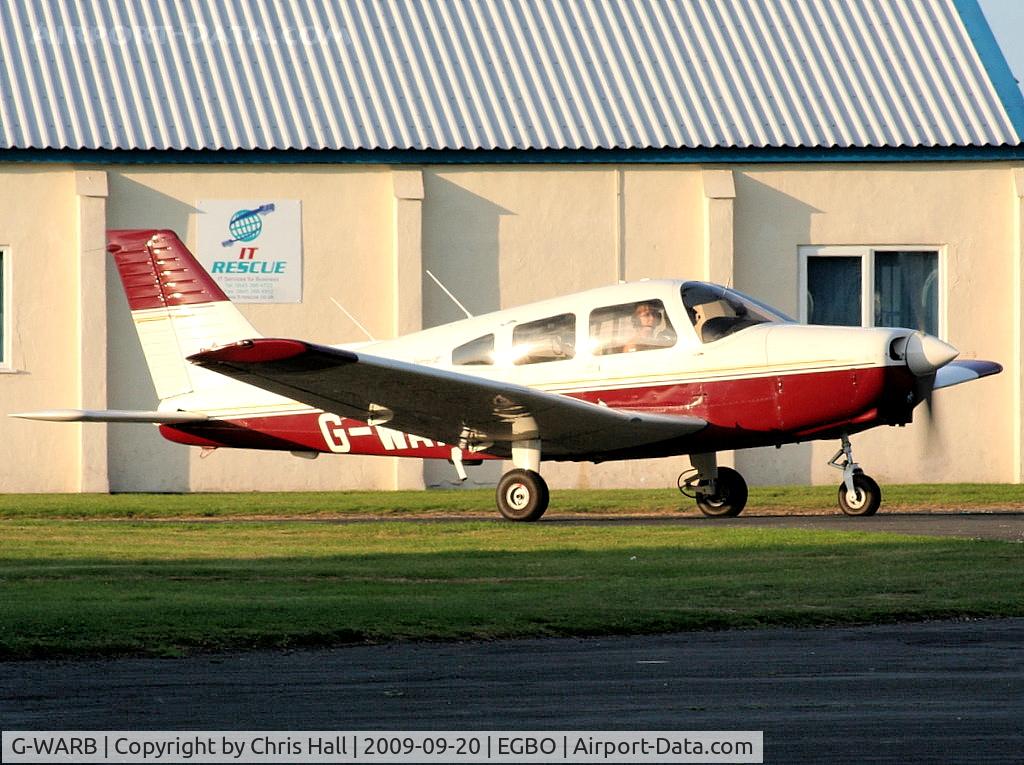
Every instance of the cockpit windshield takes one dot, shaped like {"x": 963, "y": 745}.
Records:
{"x": 717, "y": 312}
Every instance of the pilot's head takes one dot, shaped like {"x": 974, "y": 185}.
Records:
{"x": 647, "y": 315}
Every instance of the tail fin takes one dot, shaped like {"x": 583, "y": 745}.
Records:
{"x": 178, "y": 309}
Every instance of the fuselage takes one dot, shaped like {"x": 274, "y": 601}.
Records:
{"x": 665, "y": 347}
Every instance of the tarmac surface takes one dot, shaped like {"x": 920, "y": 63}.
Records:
{"x": 930, "y": 692}
{"x": 949, "y": 691}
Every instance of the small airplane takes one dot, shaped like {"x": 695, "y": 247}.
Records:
{"x": 634, "y": 370}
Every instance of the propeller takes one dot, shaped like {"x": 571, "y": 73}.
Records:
{"x": 924, "y": 356}
{"x": 923, "y": 391}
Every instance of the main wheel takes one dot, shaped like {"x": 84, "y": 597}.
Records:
{"x": 730, "y": 495}
{"x": 522, "y": 495}
{"x": 867, "y": 500}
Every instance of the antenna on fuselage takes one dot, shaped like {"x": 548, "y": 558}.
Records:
{"x": 449, "y": 294}
{"x": 354, "y": 320}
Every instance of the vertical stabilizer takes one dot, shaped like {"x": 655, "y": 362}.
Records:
{"x": 178, "y": 309}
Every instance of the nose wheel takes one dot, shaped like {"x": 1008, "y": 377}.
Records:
{"x": 865, "y": 499}
{"x": 859, "y": 494}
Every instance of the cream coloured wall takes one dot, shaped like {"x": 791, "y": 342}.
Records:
{"x": 664, "y": 222}
{"x": 540, "y": 232}
{"x": 507, "y": 235}
{"x": 347, "y": 241}
{"x": 966, "y": 210}
{"x": 1016, "y": 365}
{"x": 38, "y": 229}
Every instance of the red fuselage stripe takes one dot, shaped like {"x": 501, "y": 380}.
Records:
{"x": 740, "y": 413}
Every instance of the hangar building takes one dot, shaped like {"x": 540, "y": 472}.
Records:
{"x": 845, "y": 162}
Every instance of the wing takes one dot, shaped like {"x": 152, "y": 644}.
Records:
{"x": 436, "y": 403}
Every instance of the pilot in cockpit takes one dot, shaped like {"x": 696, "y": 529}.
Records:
{"x": 650, "y": 329}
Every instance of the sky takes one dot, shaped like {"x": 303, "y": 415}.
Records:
{"x": 1006, "y": 17}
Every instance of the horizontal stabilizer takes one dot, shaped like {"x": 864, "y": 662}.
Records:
{"x": 110, "y": 415}
{"x": 957, "y": 372}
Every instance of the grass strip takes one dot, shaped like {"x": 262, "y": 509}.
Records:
{"x": 480, "y": 502}
{"x": 106, "y": 588}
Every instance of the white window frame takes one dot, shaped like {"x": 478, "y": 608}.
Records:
{"x": 866, "y": 253}
{"x": 8, "y": 306}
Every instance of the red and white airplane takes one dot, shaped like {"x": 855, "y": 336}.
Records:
{"x": 645, "y": 369}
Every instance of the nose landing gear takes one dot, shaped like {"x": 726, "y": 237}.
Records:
{"x": 859, "y": 494}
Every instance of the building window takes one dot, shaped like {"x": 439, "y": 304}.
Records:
{"x": 4, "y": 296}
{"x": 871, "y": 287}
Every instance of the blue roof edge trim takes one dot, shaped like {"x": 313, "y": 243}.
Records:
{"x": 514, "y": 156}
{"x": 994, "y": 61}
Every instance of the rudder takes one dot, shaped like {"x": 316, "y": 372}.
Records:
{"x": 177, "y": 307}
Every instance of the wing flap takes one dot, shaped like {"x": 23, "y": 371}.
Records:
{"x": 437, "y": 403}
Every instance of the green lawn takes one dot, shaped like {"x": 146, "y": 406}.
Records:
{"x": 478, "y": 502}
{"x": 100, "y": 587}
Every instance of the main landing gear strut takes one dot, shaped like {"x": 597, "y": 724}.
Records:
{"x": 522, "y": 493}
{"x": 720, "y": 492}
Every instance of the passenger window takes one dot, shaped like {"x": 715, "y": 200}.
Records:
{"x": 630, "y": 327}
{"x": 479, "y": 351}
{"x": 552, "y": 339}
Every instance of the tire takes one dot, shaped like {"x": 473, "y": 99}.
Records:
{"x": 869, "y": 501}
{"x": 522, "y": 495}
{"x": 730, "y": 496}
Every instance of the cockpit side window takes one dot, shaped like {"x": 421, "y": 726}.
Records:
{"x": 717, "y": 312}
{"x": 478, "y": 351}
{"x": 630, "y": 327}
{"x": 551, "y": 339}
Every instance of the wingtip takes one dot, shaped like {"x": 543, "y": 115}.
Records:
{"x": 255, "y": 351}
{"x": 981, "y": 367}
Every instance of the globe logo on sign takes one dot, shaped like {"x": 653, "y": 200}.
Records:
{"x": 246, "y": 225}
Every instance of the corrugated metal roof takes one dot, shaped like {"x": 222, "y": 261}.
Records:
{"x": 493, "y": 74}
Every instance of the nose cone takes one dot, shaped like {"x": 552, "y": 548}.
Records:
{"x": 925, "y": 354}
